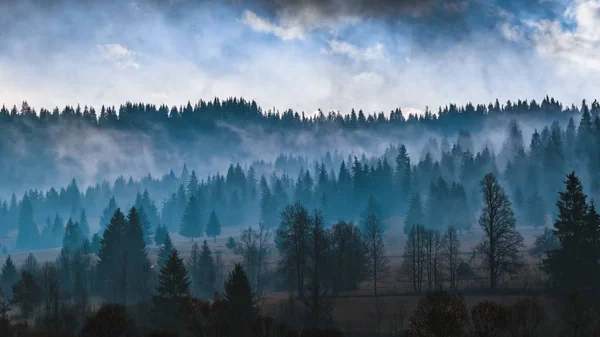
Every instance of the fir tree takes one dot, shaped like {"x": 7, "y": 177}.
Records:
{"x": 110, "y": 257}
{"x": 73, "y": 238}
{"x": 213, "y": 228}
{"x": 231, "y": 244}
{"x": 108, "y": 212}
{"x": 173, "y": 294}
{"x": 9, "y": 276}
{"x": 242, "y": 303}
{"x": 207, "y": 271}
{"x": 95, "y": 244}
{"x": 415, "y": 213}
{"x": 58, "y": 231}
{"x": 191, "y": 223}
{"x": 575, "y": 264}
{"x": 27, "y": 294}
{"x": 165, "y": 251}
{"x": 372, "y": 208}
{"x": 160, "y": 235}
{"x": 28, "y": 235}
{"x": 138, "y": 266}
{"x": 84, "y": 224}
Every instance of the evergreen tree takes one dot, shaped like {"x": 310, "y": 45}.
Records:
{"x": 575, "y": 264}
{"x": 372, "y": 208}
{"x": 28, "y": 235}
{"x": 242, "y": 303}
{"x": 27, "y": 294}
{"x": 207, "y": 269}
{"x": 160, "y": 235}
{"x": 170, "y": 303}
{"x": 231, "y": 244}
{"x": 415, "y": 215}
{"x": 536, "y": 212}
{"x": 73, "y": 238}
{"x": 213, "y": 228}
{"x": 108, "y": 212}
{"x": 84, "y": 224}
{"x": 9, "y": 276}
{"x": 95, "y": 244}
{"x": 58, "y": 231}
{"x": 165, "y": 251}
{"x": 110, "y": 258}
{"x": 31, "y": 265}
{"x": 191, "y": 223}
{"x": 137, "y": 265}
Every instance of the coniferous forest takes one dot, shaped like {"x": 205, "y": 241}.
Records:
{"x": 221, "y": 218}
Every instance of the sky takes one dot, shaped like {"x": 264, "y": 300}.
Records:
{"x": 305, "y": 55}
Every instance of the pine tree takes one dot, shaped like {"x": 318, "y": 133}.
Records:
{"x": 28, "y": 236}
{"x": 173, "y": 294}
{"x": 84, "y": 224}
{"x": 110, "y": 257}
{"x": 191, "y": 223}
{"x": 231, "y": 244}
{"x": 242, "y": 303}
{"x": 27, "y": 294}
{"x": 575, "y": 264}
{"x": 213, "y": 228}
{"x": 164, "y": 252}
{"x": 9, "y": 276}
{"x": 58, "y": 231}
{"x": 138, "y": 266}
{"x": 73, "y": 239}
{"x": 95, "y": 244}
{"x": 160, "y": 235}
{"x": 108, "y": 212}
{"x": 207, "y": 271}
{"x": 372, "y": 208}
{"x": 415, "y": 215}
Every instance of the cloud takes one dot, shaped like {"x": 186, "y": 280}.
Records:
{"x": 118, "y": 55}
{"x": 577, "y": 42}
{"x": 262, "y": 25}
{"x": 373, "y": 53}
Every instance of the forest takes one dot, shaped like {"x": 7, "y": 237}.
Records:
{"x": 476, "y": 220}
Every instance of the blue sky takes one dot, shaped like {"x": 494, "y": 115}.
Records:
{"x": 301, "y": 54}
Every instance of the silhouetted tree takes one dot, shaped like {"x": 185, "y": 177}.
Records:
{"x": 191, "y": 223}
{"x": 9, "y": 276}
{"x": 377, "y": 261}
{"x": 231, "y": 244}
{"x": 440, "y": 314}
{"x": 164, "y": 252}
{"x": 28, "y": 234}
{"x": 500, "y": 248}
{"x": 213, "y": 228}
{"x": 172, "y": 295}
{"x": 241, "y": 302}
{"x": 73, "y": 238}
{"x": 26, "y": 294}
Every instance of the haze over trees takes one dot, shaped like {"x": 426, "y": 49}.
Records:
{"x": 317, "y": 228}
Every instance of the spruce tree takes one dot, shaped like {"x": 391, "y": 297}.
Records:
{"x": 108, "y": 212}
{"x": 9, "y": 276}
{"x": 160, "y": 235}
{"x": 28, "y": 236}
{"x": 372, "y": 208}
{"x": 207, "y": 270}
{"x": 575, "y": 264}
{"x": 58, "y": 231}
{"x": 84, "y": 225}
{"x": 95, "y": 244}
{"x": 191, "y": 223}
{"x": 231, "y": 244}
{"x": 73, "y": 238}
{"x": 172, "y": 295}
{"x": 415, "y": 215}
{"x": 242, "y": 303}
{"x": 165, "y": 251}
{"x": 138, "y": 266}
{"x": 213, "y": 228}
{"x": 110, "y": 257}
{"x": 27, "y": 294}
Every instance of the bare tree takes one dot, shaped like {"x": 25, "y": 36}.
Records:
{"x": 440, "y": 314}
{"x": 50, "y": 285}
{"x": 292, "y": 242}
{"x": 433, "y": 246}
{"x": 254, "y": 247}
{"x": 193, "y": 269}
{"x": 500, "y": 248}
{"x": 414, "y": 257}
{"x": 378, "y": 263}
{"x": 450, "y": 251}
{"x": 318, "y": 307}
{"x": 349, "y": 257}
